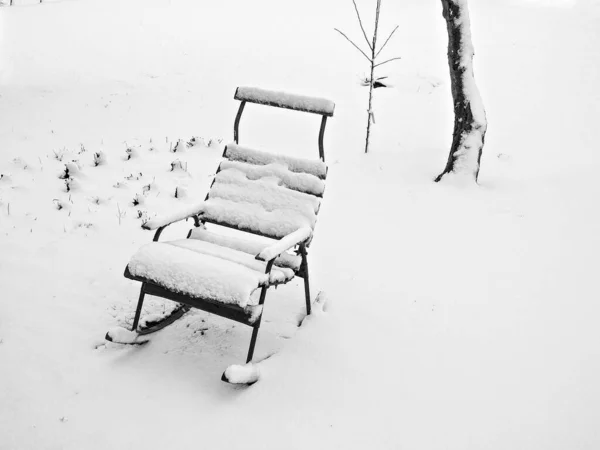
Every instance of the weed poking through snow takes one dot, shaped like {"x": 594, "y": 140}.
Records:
{"x": 180, "y": 192}
{"x": 120, "y": 214}
{"x": 130, "y": 153}
{"x": 177, "y": 166}
{"x": 131, "y": 177}
{"x": 99, "y": 159}
{"x": 147, "y": 188}
{"x": 143, "y": 215}
{"x": 179, "y": 147}
{"x": 59, "y": 154}
{"x": 137, "y": 200}
{"x": 59, "y": 205}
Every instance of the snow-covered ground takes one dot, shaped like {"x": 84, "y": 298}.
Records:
{"x": 457, "y": 317}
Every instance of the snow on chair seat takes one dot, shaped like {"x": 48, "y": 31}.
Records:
{"x": 203, "y": 270}
{"x": 251, "y": 247}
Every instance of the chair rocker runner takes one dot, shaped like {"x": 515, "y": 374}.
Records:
{"x": 276, "y": 198}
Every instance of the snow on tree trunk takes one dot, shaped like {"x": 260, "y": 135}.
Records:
{"x": 470, "y": 123}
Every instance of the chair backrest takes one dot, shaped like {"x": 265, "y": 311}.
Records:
{"x": 265, "y": 194}
{"x": 313, "y": 105}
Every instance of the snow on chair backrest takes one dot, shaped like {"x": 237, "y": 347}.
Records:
{"x": 313, "y": 105}
{"x": 234, "y": 152}
{"x": 304, "y": 103}
{"x": 265, "y": 194}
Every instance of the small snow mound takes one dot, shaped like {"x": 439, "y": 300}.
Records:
{"x": 120, "y": 335}
{"x": 238, "y": 374}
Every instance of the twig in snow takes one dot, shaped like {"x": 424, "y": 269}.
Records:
{"x": 387, "y": 61}
{"x": 357, "y": 47}
{"x": 119, "y": 213}
{"x": 386, "y": 41}
{"x": 361, "y": 25}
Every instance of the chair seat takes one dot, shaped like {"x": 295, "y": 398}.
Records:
{"x": 204, "y": 270}
{"x": 250, "y": 246}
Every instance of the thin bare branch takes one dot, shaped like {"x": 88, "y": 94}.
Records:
{"x": 387, "y": 61}
{"x": 357, "y": 47}
{"x": 361, "y": 25}
{"x": 386, "y": 41}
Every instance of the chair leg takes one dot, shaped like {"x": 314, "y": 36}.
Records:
{"x": 306, "y": 281}
{"x": 138, "y": 310}
{"x": 253, "y": 342}
{"x": 261, "y": 301}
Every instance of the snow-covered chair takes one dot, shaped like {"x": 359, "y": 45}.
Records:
{"x": 272, "y": 197}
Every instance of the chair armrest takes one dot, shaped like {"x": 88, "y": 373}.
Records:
{"x": 285, "y": 243}
{"x": 168, "y": 219}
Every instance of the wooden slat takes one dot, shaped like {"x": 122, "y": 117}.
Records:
{"x": 235, "y": 152}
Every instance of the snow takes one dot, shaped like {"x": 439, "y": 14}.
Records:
{"x": 268, "y": 199}
{"x": 302, "y": 182}
{"x": 253, "y": 247}
{"x": 246, "y": 374}
{"x": 466, "y": 61}
{"x": 269, "y": 189}
{"x": 244, "y": 154}
{"x": 286, "y": 243}
{"x": 175, "y": 216}
{"x": 120, "y": 335}
{"x": 285, "y": 100}
{"x": 253, "y": 217}
{"x": 459, "y": 317}
{"x": 277, "y": 275}
{"x": 173, "y": 266}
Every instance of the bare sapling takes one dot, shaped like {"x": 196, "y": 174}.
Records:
{"x": 371, "y": 55}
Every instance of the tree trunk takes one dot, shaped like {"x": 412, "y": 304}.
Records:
{"x": 470, "y": 123}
